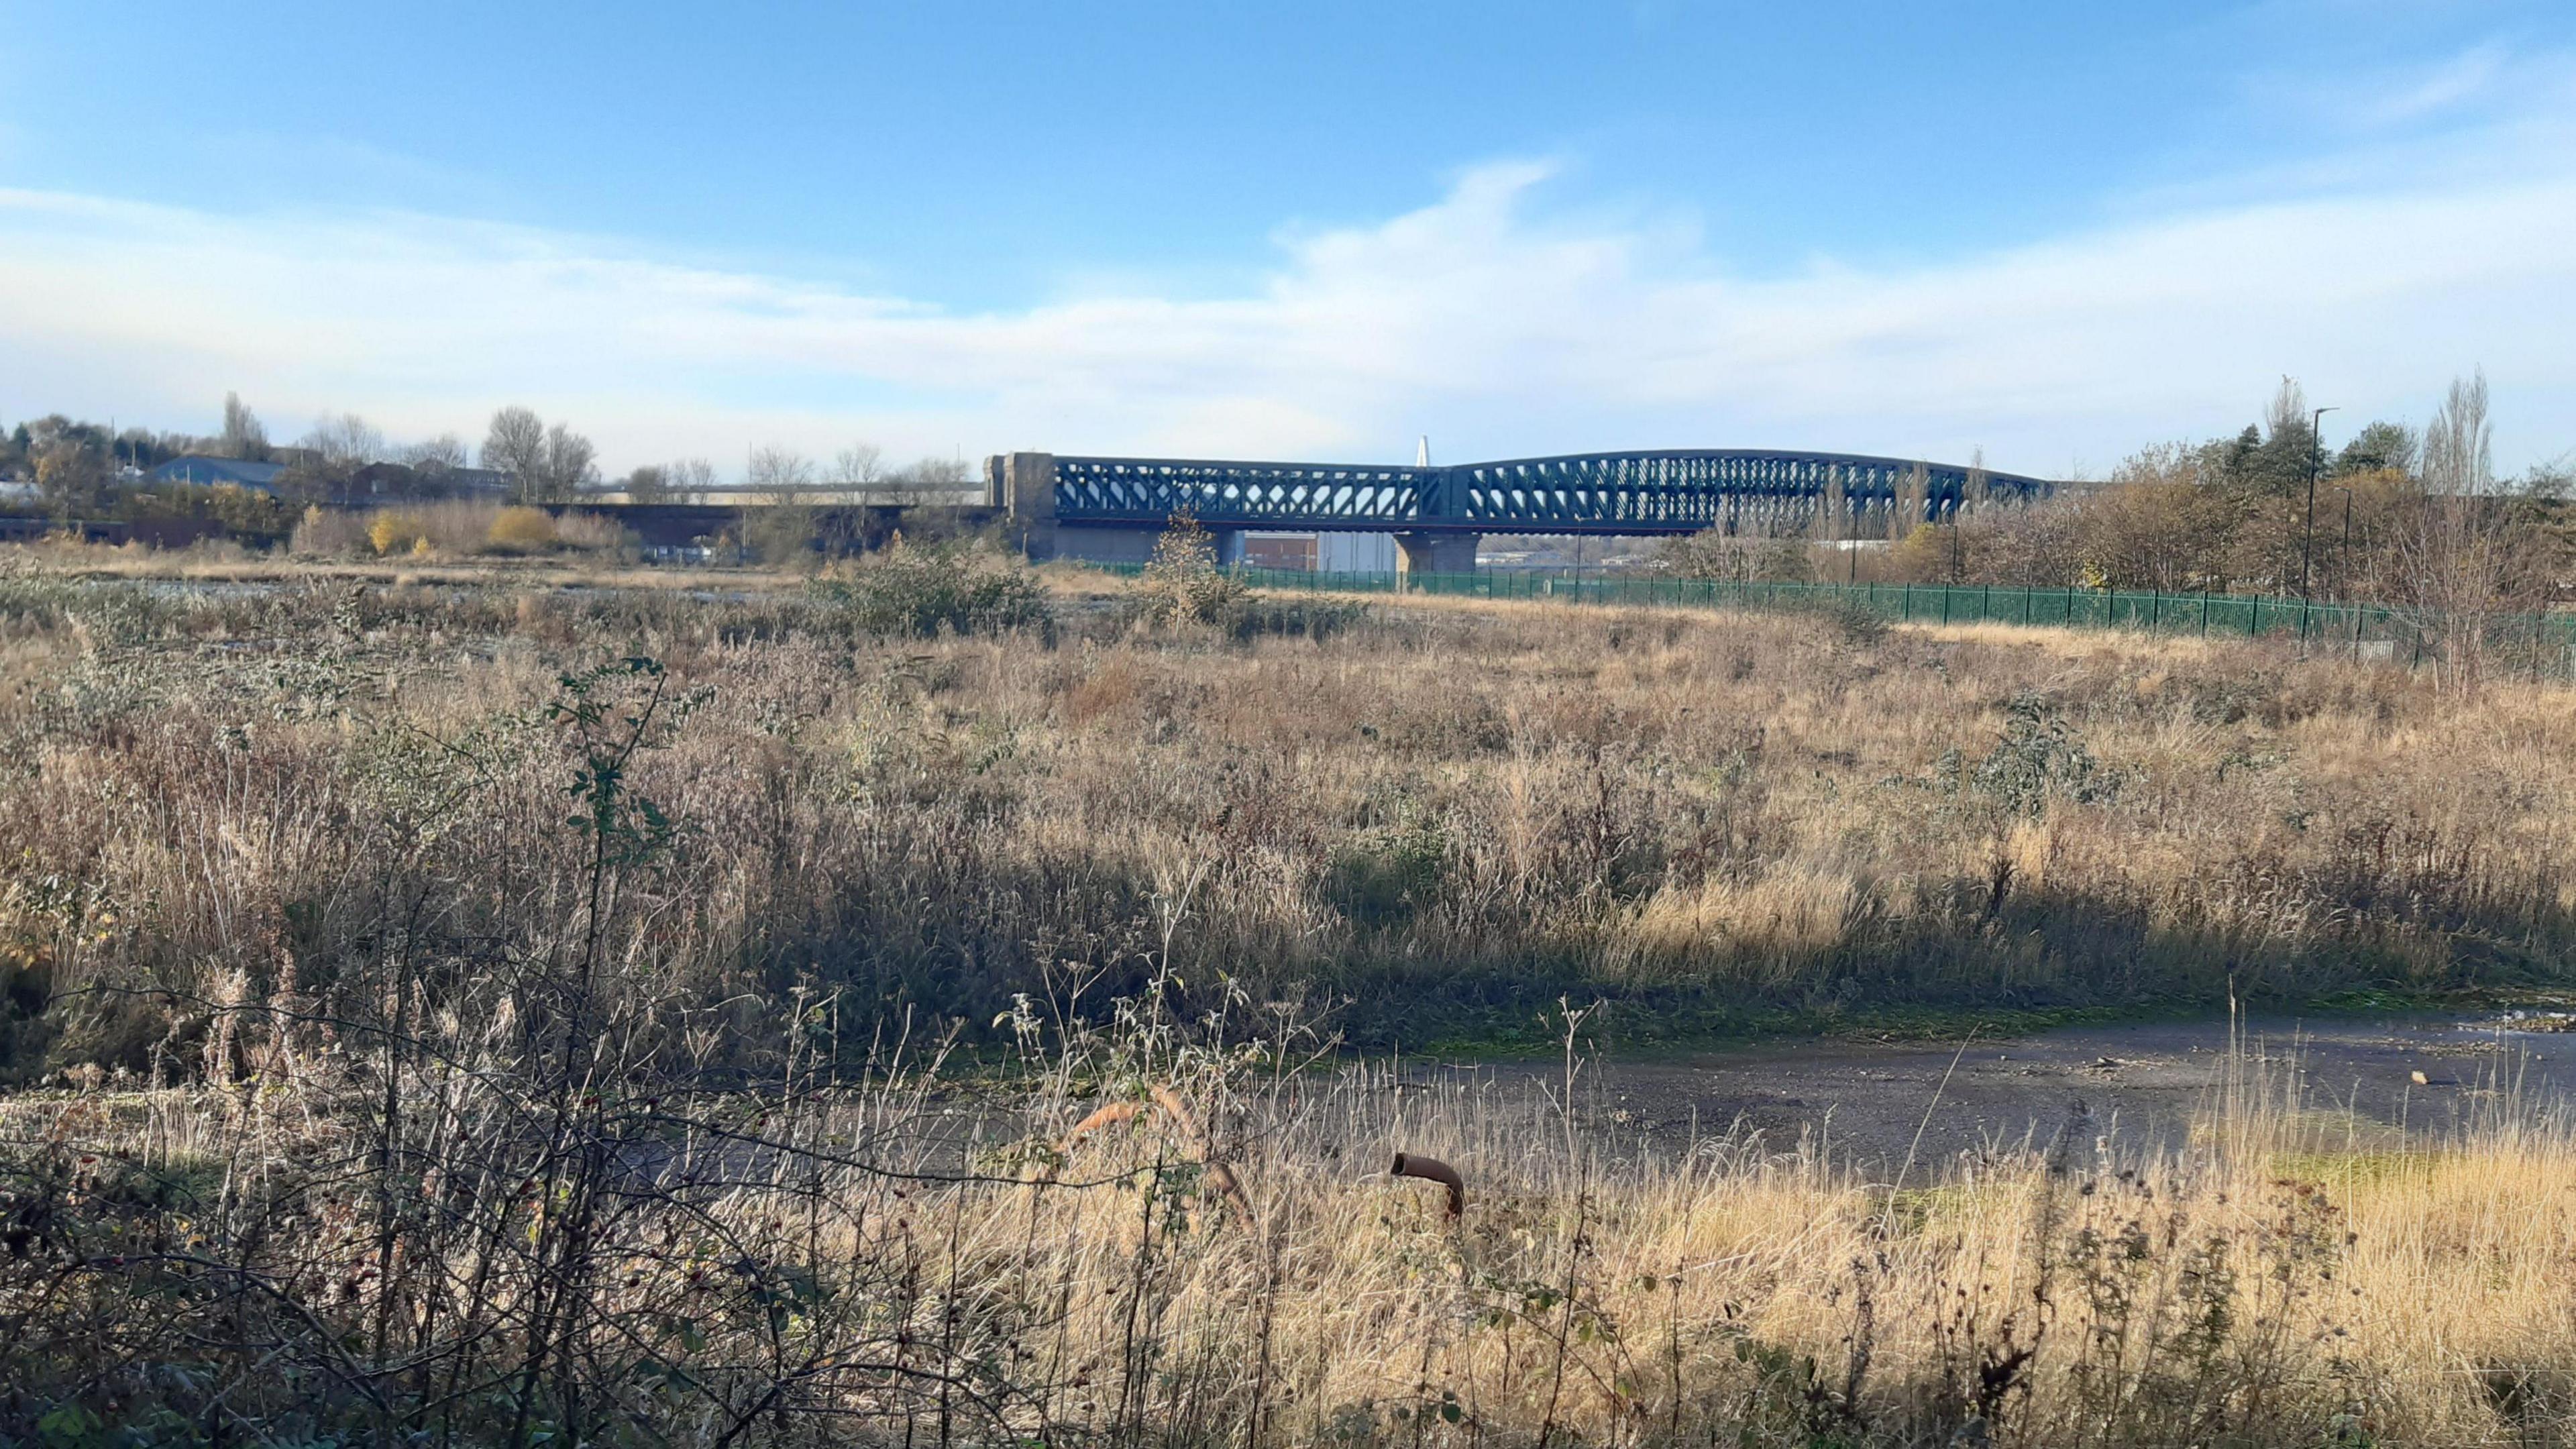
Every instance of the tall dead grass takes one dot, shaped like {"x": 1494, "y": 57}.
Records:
{"x": 455, "y": 528}
{"x": 1443, "y": 818}
{"x": 893, "y": 1254}
{"x": 518, "y": 1016}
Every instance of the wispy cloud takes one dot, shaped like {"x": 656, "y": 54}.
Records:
{"x": 1488, "y": 318}
{"x": 2457, "y": 81}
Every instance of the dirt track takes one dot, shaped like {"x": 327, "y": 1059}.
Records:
{"x": 2143, "y": 1082}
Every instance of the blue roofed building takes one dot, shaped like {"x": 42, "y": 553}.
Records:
{"x": 207, "y": 472}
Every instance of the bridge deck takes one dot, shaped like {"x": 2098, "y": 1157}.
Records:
{"x": 1647, "y": 492}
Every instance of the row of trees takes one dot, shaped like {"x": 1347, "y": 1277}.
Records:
{"x": 783, "y": 475}
{"x": 2417, "y": 521}
{"x": 81, "y": 469}
{"x": 2244, "y": 515}
{"x": 76, "y": 465}
{"x": 2266, "y": 511}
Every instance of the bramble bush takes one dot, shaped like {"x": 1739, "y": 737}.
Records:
{"x": 1182, "y": 583}
{"x": 924, "y": 590}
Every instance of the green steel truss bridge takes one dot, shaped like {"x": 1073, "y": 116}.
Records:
{"x": 1671, "y": 491}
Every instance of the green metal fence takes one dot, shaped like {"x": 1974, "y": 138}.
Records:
{"x": 2538, "y": 644}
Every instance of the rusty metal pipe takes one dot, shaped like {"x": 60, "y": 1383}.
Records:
{"x": 1432, "y": 1169}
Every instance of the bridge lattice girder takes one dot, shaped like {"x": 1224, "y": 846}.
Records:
{"x": 1660, "y": 492}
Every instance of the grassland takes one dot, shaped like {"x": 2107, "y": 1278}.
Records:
{"x": 1441, "y": 817}
{"x": 502, "y": 1012}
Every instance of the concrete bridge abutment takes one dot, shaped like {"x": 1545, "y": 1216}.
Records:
{"x": 1435, "y": 553}
{"x": 1026, "y": 482}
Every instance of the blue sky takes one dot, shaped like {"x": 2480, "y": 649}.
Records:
{"x": 2056, "y": 232}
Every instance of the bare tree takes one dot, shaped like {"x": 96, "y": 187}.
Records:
{"x": 344, "y": 443}
{"x": 860, "y": 465}
{"x": 782, "y": 529}
{"x": 2461, "y": 554}
{"x": 778, "y": 476}
{"x": 2025, "y": 546}
{"x": 70, "y": 479}
{"x": 243, "y": 437}
{"x": 938, "y": 473}
{"x": 570, "y": 465}
{"x": 546, "y": 465}
{"x": 516, "y": 445}
{"x": 691, "y": 480}
{"x": 440, "y": 455}
{"x": 2287, "y": 420}
{"x": 1738, "y": 558}
{"x": 648, "y": 484}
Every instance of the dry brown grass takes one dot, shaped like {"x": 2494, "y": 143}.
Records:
{"x": 2272, "y": 1284}
{"x": 477, "y": 1120}
{"x": 1456, "y": 812}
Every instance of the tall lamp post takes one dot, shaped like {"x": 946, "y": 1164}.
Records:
{"x": 2343, "y": 560}
{"x": 2308, "y": 545}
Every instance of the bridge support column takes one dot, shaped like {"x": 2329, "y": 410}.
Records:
{"x": 1435, "y": 553}
{"x": 1107, "y": 545}
{"x": 1028, "y": 499}
{"x": 1229, "y": 546}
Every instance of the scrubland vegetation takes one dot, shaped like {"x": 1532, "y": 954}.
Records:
{"x": 2418, "y": 520}
{"x": 470, "y": 1014}
{"x": 1451, "y": 816}
{"x": 454, "y": 529}
{"x": 508, "y": 1207}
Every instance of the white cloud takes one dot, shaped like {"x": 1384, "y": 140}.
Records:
{"x": 1497, "y": 325}
{"x": 2463, "y": 78}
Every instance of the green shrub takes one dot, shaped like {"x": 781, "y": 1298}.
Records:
{"x": 1856, "y": 622}
{"x": 925, "y": 590}
{"x": 1182, "y": 583}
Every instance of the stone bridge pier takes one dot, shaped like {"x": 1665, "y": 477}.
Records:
{"x": 1436, "y": 553}
{"x": 1022, "y": 486}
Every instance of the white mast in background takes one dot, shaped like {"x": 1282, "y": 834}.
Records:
{"x": 1422, "y": 452}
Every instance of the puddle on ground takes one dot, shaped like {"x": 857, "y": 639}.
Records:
{"x": 2145, "y": 1082}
